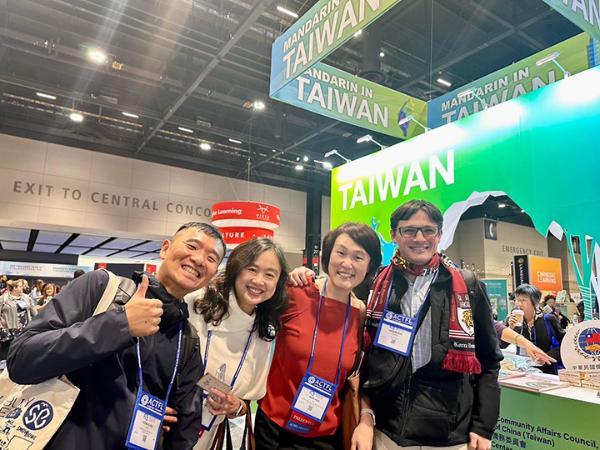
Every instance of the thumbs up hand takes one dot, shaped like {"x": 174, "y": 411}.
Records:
{"x": 143, "y": 314}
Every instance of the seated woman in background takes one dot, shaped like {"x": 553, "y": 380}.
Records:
{"x": 237, "y": 318}
{"x": 319, "y": 341}
{"x": 541, "y": 329}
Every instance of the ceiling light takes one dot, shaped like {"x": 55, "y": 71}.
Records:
{"x": 522, "y": 210}
{"x": 305, "y": 158}
{"x": 205, "y": 146}
{"x": 132, "y": 115}
{"x": 48, "y": 96}
{"x": 411, "y": 118}
{"x": 186, "y": 130}
{"x": 76, "y": 117}
{"x": 444, "y": 82}
{"x": 358, "y": 33}
{"x": 97, "y": 56}
{"x": 258, "y": 105}
{"x": 381, "y": 54}
{"x": 546, "y": 59}
{"x": 365, "y": 138}
{"x": 286, "y": 11}
{"x": 299, "y": 167}
{"x": 274, "y": 151}
{"x": 234, "y": 141}
{"x": 501, "y": 205}
{"x": 335, "y": 152}
{"x": 327, "y": 165}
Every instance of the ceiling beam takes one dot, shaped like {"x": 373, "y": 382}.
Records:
{"x": 257, "y": 10}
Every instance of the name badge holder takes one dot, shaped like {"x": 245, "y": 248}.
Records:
{"x": 149, "y": 410}
{"x": 208, "y": 419}
{"x": 396, "y": 331}
{"x": 314, "y": 395}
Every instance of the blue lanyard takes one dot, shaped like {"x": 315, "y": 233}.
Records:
{"x": 314, "y": 341}
{"x": 237, "y": 372}
{"x": 137, "y": 349}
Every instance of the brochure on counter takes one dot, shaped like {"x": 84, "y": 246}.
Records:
{"x": 534, "y": 383}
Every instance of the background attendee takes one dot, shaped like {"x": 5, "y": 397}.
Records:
{"x": 319, "y": 338}
{"x": 16, "y": 311}
{"x": 36, "y": 292}
{"x": 78, "y": 273}
{"x": 237, "y": 318}
{"x": 508, "y": 336}
{"x": 48, "y": 293}
{"x": 541, "y": 329}
{"x": 549, "y": 302}
{"x": 103, "y": 355}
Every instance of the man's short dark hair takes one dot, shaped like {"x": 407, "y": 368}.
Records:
{"x": 359, "y": 233}
{"x": 78, "y": 273}
{"x": 208, "y": 229}
{"x": 530, "y": 291}
{"x": 410, "y": 208}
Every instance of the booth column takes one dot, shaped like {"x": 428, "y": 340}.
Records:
{"x": 312, "y": 242}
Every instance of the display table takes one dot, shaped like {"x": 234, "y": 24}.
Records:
{"x": 561, "y": 419}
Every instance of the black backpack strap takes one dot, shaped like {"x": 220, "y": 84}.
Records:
{"x": 471, "y": 282}
{"x": 125, "y": 291}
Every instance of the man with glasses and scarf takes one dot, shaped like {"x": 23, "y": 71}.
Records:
{"x": 431, "y": 376}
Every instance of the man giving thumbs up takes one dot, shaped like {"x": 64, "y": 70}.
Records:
{"x": 105, "y": 354}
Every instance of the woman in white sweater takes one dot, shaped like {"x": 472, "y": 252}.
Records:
{"x": 237, "y": 318}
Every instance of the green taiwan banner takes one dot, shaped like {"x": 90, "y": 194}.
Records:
{"x": 342, "y": 96}
{"x": 541, "y": 149}
{"x": 574, "y": 55}
{"x": 583, "y": 13}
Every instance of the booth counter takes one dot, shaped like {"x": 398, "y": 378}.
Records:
{"x": 562, "y": 419}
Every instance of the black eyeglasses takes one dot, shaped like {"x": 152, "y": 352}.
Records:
{"x": 411, "y": 232}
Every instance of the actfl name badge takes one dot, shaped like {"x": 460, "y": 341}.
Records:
{"x": 146, "y": 422}
{"x": 396, "y": 333}
{"x": 314, "y": 397}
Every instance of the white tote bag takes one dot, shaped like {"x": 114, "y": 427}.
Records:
{"x": 31, "y": 414}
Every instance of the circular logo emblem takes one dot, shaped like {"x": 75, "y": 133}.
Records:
{"x": 389, "y": 316}
{"x": 38, "y": 415}
{"x": 144, "y": 400}
{"x": 311, "y": 380}
{"x": 588, "y": 341}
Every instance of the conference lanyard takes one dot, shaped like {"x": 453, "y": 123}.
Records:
{"x": 177, "y": 355}
{"x": 149, "y": 410}
{"x": 244, "y": 354}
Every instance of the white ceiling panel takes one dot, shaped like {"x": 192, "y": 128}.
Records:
{"x": 119, "y": 243}
{"x": 52, "y": 237}
{"x": 45, "y": 248}
{"x": 74, "y": 250}
{"x": 14, "y": 234}
{"x": 100, "y": 252}
{"x": 88, "y": 240}
{"x": 148, "y": 246}
{"x": 9, "y": 245}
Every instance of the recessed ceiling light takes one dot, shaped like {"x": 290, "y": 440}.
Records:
{"x": 132, "y": 115}
{"x": 205, "y": 146}
{"x": 358, "y": 33}
{"x": 286, "y": 11}
{"x": 48, "y": 96}
{"x": 305, "y": 158}
{"x": 76, "y": 117}
{"x": 274, "y": 150}
{"x": 186, "y": 130}
{"x": 444, "y": 82}
{"x": 258, "y": 105}
{"x": 235, "y": 141}
{"x": 327, "y": 165}
{"x": 97, "y": 56}
{"x": 299, "y": 167}
{"x": 381, "y": 54}
{"x": 501, "y": 205}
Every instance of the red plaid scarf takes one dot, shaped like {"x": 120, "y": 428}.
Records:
{"x": 461, "y": 355}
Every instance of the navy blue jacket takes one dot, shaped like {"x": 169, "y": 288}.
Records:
{"x": 98, "y": 355}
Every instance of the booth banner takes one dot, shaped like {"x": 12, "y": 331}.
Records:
{"x": 583, "y": 13}
{"x": 534, "y": 421}
{"x": 545, "y": 273}
{"x": 237, "y": 235}
{"x": 500, "y": 151}
{"x": 245, "y": 213}
{"x": 342, "y": 96}
{"x": 39, "y": 270}
{"x": 497, "y": 290}
{"x": 576, "y": 55}
{"x": 326, "y": 26}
